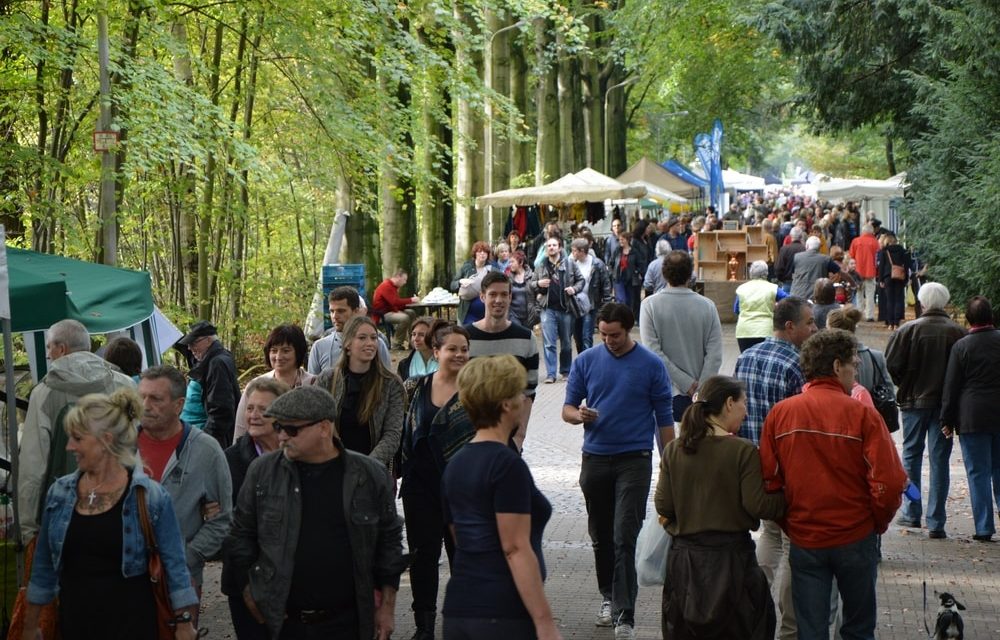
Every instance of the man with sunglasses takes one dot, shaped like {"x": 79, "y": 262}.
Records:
{"x": 315, "y": 531}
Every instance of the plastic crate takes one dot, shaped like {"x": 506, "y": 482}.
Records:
{"x": 341, "y": 275}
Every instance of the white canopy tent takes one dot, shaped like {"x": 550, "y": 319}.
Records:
{"x": 647, "y": 171}
{"x": 583, "y": 186}
{"x": 874, "y": 195}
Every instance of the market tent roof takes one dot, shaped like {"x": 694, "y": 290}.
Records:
{"x": 645, "y": 170}
{"x": 682, "y": 172}
{"x": 661, "y": 196}
{"x": 586, "y": 185}
{"x": 46, "y": 288}
{"x": 862, "y": 189}
{"x": 735, "y": 179}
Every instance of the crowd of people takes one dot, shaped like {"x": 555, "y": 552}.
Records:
{"x": 292, "y": 482}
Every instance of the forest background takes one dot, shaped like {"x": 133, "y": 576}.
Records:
{"x": 245, "y": 125}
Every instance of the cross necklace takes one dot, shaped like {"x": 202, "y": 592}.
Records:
{"x": 92, "y": 496}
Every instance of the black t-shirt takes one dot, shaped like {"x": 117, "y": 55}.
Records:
{"x": 355, "y": 435}
{"x": 323, "y": 576}
{"x": 556, "y": 286}
{"x": 482, "y": 480}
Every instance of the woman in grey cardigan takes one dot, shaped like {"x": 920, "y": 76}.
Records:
{"x": 369, "y": 396}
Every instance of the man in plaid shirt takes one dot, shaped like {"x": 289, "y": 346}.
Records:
{"x": 771, "y": 372}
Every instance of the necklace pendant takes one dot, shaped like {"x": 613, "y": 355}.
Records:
{"x": 91, "y": 497}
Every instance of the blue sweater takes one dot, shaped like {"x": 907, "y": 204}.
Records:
{"x": 632, "y": 393}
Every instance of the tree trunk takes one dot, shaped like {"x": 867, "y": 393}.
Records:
{"x": 208, "y": 202}
{"x": 546, "y": 101}
{"x": 465, "y": 145}
{"x": 890, "y": 155}
{"x": 519, "y": 147}
{"x": 183, "y": 171}
{"x": 395, "y": 234}
{"x": 564, "y": 81}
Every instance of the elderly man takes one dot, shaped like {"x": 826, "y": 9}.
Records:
{"x": 682, "y": 328}
{"x": 809, "y": 266}
{"x": 786, "y": 255}
{"x": 917, "y": 359}
{"x": 316, "y": 531}
{"x": 771, "y": 372}
{"x": 215, "y": 370}
{"x": 188, "y": 463}
{"x": 345, "y": 303}
{"x": 843, "y": 481}
{"x": 73, "y": 373}
{"x": 653, "y": 281}
{"x": 864, "y": 248}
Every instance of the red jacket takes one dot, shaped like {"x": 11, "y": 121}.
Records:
{"x": 387, "y": 299}
{"x": 837, "y": 464}
{"x": 863, "y": 250}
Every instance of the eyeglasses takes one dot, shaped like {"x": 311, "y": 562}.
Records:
{"x": 293, "y": 429}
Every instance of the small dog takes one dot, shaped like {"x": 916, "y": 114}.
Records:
{"x": 949, "y": 624}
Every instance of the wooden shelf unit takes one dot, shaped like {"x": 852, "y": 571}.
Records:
{"x": 714, "y": 248}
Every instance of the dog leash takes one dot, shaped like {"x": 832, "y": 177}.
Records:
{"x": 923, "y": 563}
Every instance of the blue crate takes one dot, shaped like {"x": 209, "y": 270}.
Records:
{"x": 340, "y": 275}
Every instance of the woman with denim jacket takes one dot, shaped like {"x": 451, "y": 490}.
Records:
{"x": 91, "y": 551}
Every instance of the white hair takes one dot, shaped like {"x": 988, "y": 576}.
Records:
{"x": 867, "y": 228}
{"x": 71, "y": 334}
{"x": 662, "y": 248}
{"x": 758, "y": 270}
{"x": 812, "y": 243}
{"x": 796, "y": 233}
{"x": 933, "y": 295}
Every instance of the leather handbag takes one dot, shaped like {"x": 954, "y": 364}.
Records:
{"x": 884, "y": 398}
{"x": 896, "y": 271}
{"x": 161, "y": 593}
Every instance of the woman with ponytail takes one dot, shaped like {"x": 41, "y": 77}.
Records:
{"x": 711, "y": 494}
{"x": 91, "y": 551}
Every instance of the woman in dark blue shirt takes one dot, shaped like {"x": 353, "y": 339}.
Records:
{"x": 496, "y": 515}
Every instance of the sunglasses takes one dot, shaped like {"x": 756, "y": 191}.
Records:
{"x": 293, "y": 429}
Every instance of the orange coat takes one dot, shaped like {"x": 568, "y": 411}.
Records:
{"x": 837, "y": 464}
{"x": 863, "y": 250}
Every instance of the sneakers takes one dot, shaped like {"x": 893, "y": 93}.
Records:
{"x": 624, "y": 631}
{"x": 550, "y": 380}
{"x": 604, "y": 617}
{"x": 937, "y": 534}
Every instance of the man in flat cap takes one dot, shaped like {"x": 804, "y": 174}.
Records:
{"x": 215, "y": 371}
{"x": 315, "y": 531}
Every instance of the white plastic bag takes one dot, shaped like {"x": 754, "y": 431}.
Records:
{"x": 651, "y": 553}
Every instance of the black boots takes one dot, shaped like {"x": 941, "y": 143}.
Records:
{"x": 425, "y": 625}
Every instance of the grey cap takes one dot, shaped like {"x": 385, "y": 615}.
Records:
{"x": 199, "y": 329}
{"x": 304, "y": 403}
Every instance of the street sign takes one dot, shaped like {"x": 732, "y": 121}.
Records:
{"x": 105, "y": 141}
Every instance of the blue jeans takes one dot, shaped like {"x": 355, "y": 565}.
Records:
{"x": 557, "y": 325}
{"x": 615, "y": 489}
{"x": 855, "y": 567}
{"x": 583, "y": 331}
{"x": 981, "y": 452}
{"x": 920, "y": 425}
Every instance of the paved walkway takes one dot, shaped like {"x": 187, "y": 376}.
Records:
{"x": 967, "y": 569}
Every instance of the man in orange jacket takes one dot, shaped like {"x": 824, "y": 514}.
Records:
{"x": 864, "y": 249}
{"x": 843, "y": 482}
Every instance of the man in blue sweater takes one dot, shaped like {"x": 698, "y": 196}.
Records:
{"x": 621, "y": 394}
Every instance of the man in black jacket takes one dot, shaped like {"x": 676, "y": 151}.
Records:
{"x": 215, "y": 370}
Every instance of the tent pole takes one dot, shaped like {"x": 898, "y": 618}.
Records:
{"x": 12, "y": 444}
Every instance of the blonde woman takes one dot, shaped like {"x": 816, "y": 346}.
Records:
{"x": 91, "y": 551}
{"x": 369, "y": 396}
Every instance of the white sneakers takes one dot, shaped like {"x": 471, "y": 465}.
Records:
{"x": 625, "y": 631}
{"x": 604, "y": 617}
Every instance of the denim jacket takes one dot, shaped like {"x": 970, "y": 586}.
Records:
{"x": 59, "y": 504}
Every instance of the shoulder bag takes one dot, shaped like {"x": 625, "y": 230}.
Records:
{"x": 161, "y": 593}
{"x": 896, "y": 271}
{"x": 883, "y": 397}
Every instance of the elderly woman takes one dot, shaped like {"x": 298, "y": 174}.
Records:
{"x": 503, "y": 254}
{"x": 435, "y": 429}
{"x": 91, "y": 550}
{"x": 369, "y": 396}
{"x": 260, "y": 439}
{"x": 420, "y": 361}
{"x": 755, "y": 300}
{"x": 470, "y": 307}
{"x": 285, "y": 351}
{"x": 971, "y": 387}
{"x": 496, "y": 516}
{"x": 711, "y": 493}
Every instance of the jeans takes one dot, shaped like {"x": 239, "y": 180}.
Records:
{"x": 615, "y": 489}
{"x": 868, "y": 298}
{"x": 557, "y": 325}
{"x": 895, "y": 301}
{"x": 583, "y": 331}
{"x": 855, "y": 567}
{"x": 425, "y": 530}
{"x": 920, "y": 425}
{"x": 746, "y": 343}
{"x": 772, "y": 556}
{"x": 489, "y": 629}
{"x": 981, "y": 452}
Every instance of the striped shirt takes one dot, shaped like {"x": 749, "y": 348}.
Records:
{"x": 515, "y": 340}
{"x": 771, "y": 372}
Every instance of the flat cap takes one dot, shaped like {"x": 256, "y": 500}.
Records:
{"x": 304, "y": 403}
{"x": 199, "y": 329}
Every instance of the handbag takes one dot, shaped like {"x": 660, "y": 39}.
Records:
{"x": 896, "y": 271}
{"x": 651, "y": 549}
{"x": 161, "y": 593}
{"x": 884, "y": 398}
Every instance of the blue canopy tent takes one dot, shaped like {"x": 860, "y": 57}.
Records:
{"x": 682, "y": 172}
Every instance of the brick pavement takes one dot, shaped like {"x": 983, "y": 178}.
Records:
{"x": 969, "y": 570}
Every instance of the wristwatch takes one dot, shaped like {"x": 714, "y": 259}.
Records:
{"x": 181, "y": 619}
